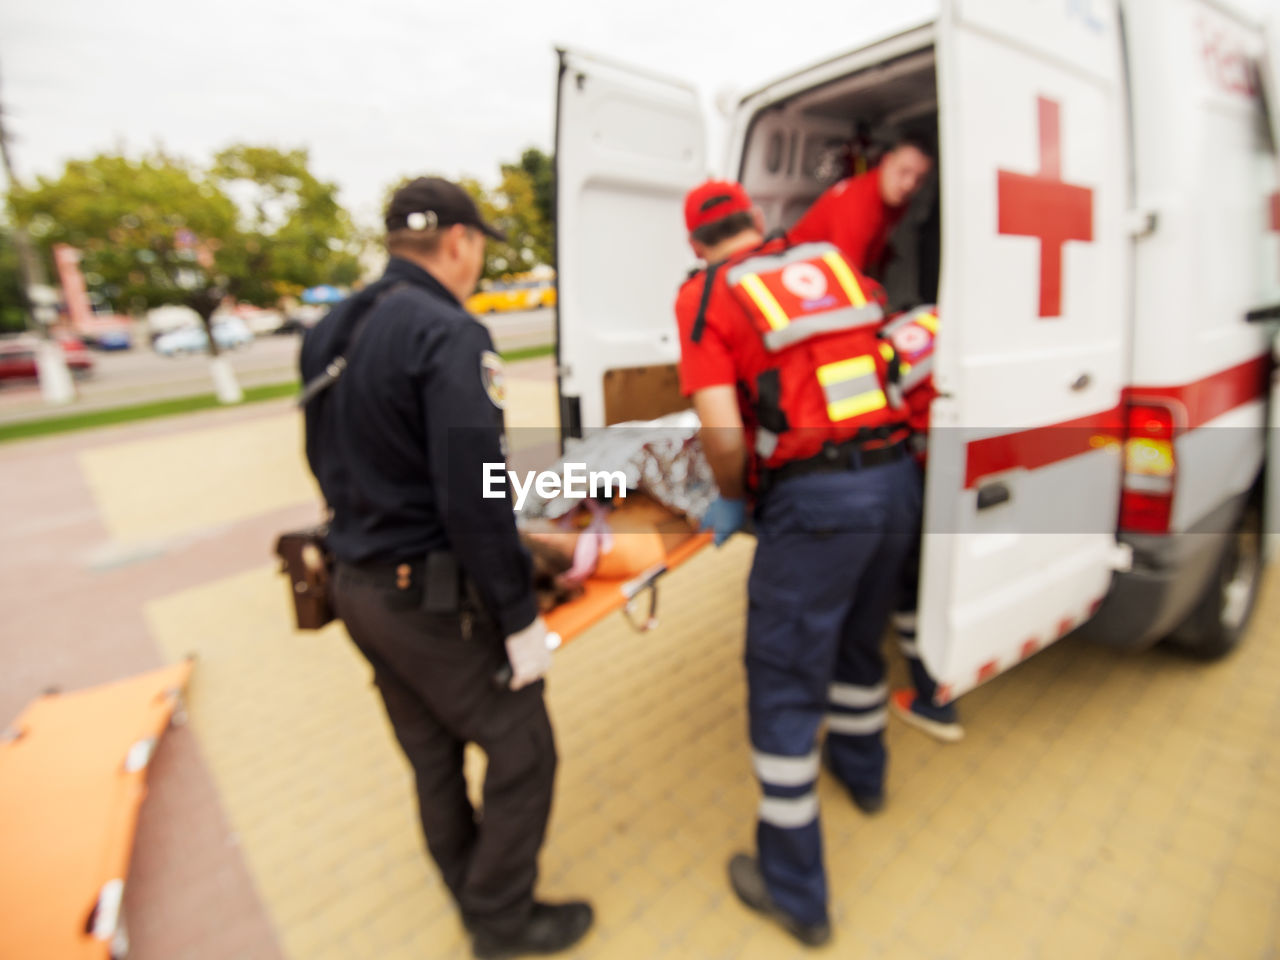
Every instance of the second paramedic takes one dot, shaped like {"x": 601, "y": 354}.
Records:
{"x": 858, "y": 214}
{"x": 780, "y": 355}
{"x": 912, "y": 334}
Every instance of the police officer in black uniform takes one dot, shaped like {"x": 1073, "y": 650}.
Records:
{"x": 431, "y": 579}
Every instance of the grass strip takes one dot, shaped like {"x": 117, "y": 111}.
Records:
{"x": 132, "y": 413}
{"x": 528, "y": 353}
{"x": 138, "y": 411}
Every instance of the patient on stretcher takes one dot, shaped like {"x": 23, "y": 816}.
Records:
{"x": 669, "y": 486}
{"x": 615, "y": 542}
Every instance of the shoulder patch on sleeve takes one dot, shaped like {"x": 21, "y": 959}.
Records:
{"x": 492, "y": 377}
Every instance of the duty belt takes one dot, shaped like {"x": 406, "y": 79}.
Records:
{"x": 446, "y": 589}
{"x": 850, "y": 455}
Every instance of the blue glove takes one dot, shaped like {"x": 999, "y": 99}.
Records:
{"x": 725, "y": 517}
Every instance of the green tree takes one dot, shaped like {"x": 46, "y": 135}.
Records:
{"x": 159, "y": 230}
{"x": 155, "y": 230}
{"x": 13, "y": 313}
{"x": 295, "y": 232}
{"x": 511, "y": 208}
{"x": 541, "y": 170}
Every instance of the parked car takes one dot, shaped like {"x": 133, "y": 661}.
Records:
{"x": 258, "y": 320}
{"x": 302, "y": 318}
{"x": 170, "y": 318}
{"x": 229, "y": 334}
{"x": 107, "y": 332}
{"x": 523, "y": 292}
{"x": 18, "y": 358}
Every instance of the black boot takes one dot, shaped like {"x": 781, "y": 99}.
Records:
{"x": 748, "y": 884}
{"x": 552, "y": 927}
{"x": 869, "y": 802}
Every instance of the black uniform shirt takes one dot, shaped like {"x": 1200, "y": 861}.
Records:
{"x": 398, "y": 444}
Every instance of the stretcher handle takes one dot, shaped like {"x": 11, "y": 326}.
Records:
{"x": 632, "y": 590}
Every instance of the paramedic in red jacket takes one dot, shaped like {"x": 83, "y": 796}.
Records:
{"x": 859, "y": 213}
{"x": 912, "y": 334}
{"x": 780, "y": 353}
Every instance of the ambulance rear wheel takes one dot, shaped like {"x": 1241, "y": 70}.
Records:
{"x": 1218, "y": 622}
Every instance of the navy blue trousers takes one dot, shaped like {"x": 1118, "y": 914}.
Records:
{"x": 827, "y": 572}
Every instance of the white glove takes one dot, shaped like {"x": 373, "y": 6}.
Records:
{"x": 529, "y": 654}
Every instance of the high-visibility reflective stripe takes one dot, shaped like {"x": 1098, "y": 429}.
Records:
{"x": 909, "y": 649}
{"x": 833, "y": 373}
{"x": 847, "y": 280}
{"x": 763, "y": 299}
{"x": 789, "y": 812}
{"x": 776, "y": 261}
{"x": 929, "y": 321}
{"x": 852, "y": 388}
{"x": 852, "y": 695}
{"x": 832, "y": 321}
{"x": 912, "y": 376}
{"x": 856, "y": 387}
{"x": 857, "y": 724}
{"x": 766, "y": 442}
{"x": 782, "y": 771}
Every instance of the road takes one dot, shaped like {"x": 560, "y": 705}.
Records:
{"x": 140, "y": 374}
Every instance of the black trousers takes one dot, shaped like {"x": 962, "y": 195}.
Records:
{"x": 435, "y": 674}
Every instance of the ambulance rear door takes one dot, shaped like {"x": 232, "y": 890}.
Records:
{"x": 1269, "y": 79}
{"x": 1023, "y": 485}
{"x": 629, "y": 146}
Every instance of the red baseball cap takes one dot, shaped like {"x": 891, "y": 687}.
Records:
{"x": 712, "y": 201}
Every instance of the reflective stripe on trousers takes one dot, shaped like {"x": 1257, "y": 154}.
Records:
{"x": 820, "y": 592}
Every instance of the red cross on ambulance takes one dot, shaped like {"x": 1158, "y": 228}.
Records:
{"x": 1044, "y": 206}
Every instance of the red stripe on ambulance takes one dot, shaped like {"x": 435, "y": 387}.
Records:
{"x": 1202, "y": 400}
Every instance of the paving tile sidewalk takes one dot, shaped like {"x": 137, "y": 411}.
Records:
{"x": 1101, "y": 805}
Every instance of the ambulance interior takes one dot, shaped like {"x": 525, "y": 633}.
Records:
{"x": 797, "y": 147}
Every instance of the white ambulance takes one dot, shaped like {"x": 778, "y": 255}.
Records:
{"x": 1103, "y": 222}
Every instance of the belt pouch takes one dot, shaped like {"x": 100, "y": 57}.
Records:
{"x": 440, "y": 586}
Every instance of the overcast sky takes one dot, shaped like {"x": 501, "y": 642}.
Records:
{"x": 380, "y": 88}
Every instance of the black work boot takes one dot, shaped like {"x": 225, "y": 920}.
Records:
{"x": 552, "y": 927}
{"x": 869, "y": 802}
{"x": 748, "y": 883}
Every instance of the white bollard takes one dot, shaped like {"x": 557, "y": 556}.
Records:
{"x": 224, "y": 381}
{"x": 55, "y": 378}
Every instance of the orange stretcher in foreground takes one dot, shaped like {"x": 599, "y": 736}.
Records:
{"x": 602, "y": 597}
{"x": 72, "y": 777}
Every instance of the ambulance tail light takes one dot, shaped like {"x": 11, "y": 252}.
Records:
{"x": 1146, "y": 499}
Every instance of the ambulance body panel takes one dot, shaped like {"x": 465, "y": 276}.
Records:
{"x": 1104, "y": 216}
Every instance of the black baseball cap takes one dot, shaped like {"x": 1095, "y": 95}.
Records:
{"x": 429, "y": 202}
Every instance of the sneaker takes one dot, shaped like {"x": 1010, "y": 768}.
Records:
{"x": 939, "y": 722}
{"x": 552, "y": 927}
{"x": 748, "y": 883}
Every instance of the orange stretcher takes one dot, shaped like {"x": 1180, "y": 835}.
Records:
{"x": 602, "y": 597}
{"x": 645, "y": 530}
{"x": 72, "y": 777}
